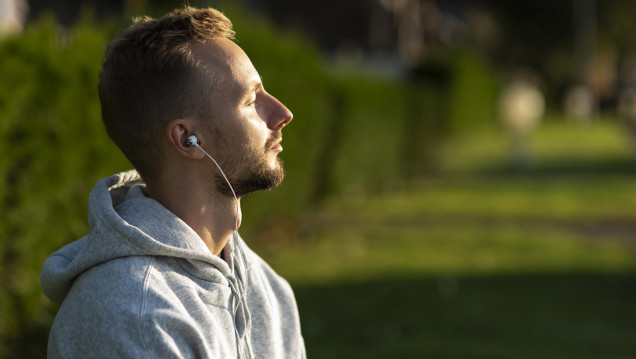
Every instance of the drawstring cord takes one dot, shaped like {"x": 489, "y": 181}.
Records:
{"x": 237, "y": 284}
{"x": 238, "y": 303}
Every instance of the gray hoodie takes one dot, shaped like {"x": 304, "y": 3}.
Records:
{"x": 142, "y": 284}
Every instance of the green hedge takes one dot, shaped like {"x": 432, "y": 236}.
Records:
{"x": 54, "y": 149}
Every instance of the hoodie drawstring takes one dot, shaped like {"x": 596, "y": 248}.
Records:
{"x": 240, "y": 311}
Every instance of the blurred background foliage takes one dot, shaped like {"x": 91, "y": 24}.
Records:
{"x": 418, "y": 218}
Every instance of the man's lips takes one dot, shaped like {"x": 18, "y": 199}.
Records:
{"x": 274, "y": 143}
{"x": 277, "y": 146}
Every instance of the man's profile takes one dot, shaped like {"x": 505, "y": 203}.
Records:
{"x": 163, "y": 272}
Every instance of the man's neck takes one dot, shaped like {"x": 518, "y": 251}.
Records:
{"x": 212, "y": 216}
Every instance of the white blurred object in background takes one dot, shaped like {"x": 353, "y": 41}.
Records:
{"x": 521, "y": 108}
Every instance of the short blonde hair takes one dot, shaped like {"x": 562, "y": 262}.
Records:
{"x": 150, "y": 76}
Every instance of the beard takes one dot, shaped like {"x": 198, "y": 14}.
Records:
{"x": 253, "y": 178}
{"x": 250, "y": 172}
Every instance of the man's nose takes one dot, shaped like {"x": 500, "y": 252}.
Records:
{"x": 279, "y": 115}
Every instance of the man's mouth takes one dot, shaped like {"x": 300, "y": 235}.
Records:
{"x": 274, "y": 144}
{"x": 277, "y": 146}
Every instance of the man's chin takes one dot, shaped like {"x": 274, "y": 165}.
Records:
{"x": 275, "y": 163}
{"x": 259, "y": 180}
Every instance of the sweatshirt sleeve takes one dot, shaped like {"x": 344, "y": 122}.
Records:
{"x": 99, "y": 317}
{"x": 125, "y": 309}
{"x": 107, "y": 333}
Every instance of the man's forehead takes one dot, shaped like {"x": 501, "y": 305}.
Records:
{"x": 216, "y": 52}
{"x": 226, "y": 60}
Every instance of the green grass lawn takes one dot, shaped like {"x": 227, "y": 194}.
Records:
{"x": 478, "y": 260}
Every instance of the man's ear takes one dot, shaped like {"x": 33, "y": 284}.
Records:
{"x": 177, "y": 132}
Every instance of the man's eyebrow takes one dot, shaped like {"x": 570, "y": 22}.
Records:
{"x": 257, "y": 85}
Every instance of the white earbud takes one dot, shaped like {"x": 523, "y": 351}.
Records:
{"x": 192, "y": 140}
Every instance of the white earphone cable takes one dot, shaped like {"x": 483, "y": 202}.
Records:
{"x": 226, "y": 180}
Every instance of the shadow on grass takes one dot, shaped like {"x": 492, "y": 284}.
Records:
{"x": 508, "y": 316}
{"x": 563, "y": 167}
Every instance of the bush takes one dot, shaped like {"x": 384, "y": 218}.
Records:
{"x": 57, "y": 149}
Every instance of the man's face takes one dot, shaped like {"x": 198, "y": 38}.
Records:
{"x": 244, "y": 131}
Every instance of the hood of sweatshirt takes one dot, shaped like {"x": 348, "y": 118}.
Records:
{"x": 124, "y": 222}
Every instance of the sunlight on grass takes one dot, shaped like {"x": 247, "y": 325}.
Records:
{"x": 555, "y": 143}
{"x": 432, "y": 245}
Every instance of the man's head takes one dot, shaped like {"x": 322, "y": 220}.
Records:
{"x": 165, "y": 79}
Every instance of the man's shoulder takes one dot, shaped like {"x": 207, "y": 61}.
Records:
{"x": 102, "y": 307}
{"x": 113, "y": 286}
{"x": 147, "y": 286}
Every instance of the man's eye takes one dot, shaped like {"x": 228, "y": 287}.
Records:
{"x": 252, "y": 101}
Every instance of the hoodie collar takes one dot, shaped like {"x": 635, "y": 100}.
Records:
{"x": 124, "y": 222}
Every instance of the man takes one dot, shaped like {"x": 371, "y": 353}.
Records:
{"x": 163, "y": 272}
